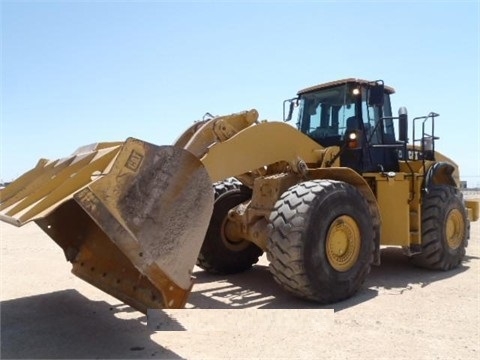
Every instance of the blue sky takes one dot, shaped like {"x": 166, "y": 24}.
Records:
{"x": 75, "y": 73}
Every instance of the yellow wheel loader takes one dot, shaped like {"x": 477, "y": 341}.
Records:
{"x": 321, "y": 199}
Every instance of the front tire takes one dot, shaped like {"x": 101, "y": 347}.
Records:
{"x": 444, "y": 229}
{"x": 219, "y": 254}
{"x": 322, "y": 240}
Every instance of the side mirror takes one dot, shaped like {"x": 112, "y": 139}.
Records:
{"x": 292, "y": 103}
{"x": 376, "y": 92}
{"x": 403, "y": 124}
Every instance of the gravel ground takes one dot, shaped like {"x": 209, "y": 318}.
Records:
{"x": 401, "y": 312}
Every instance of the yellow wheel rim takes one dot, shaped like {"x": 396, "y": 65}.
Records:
{"x": 455, "y": 229}
{"x": 232, "y": 236}
{"x": 343, "y": 243}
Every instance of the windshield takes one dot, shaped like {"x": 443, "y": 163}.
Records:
{"x": 325, "y": 115}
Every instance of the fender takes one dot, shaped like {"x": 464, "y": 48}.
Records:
{"x": 440, "y": 173}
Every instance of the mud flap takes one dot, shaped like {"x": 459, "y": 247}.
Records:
{"x": 135, "y": 229}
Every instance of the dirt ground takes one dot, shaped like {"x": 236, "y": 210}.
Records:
{"x": 401, "y": 312}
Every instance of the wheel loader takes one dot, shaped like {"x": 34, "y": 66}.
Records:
{"x": 320, "y": 199}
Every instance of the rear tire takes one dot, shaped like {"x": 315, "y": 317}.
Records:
{"x": 444, "y": 229}
{"x": 322, "y": 240}
{"x": 218, "y": 254}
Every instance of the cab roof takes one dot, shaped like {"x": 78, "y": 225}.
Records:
{"x": 330, "y": 84}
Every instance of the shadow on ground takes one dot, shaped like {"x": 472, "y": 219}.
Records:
{"x": 256, "y": 287}
{"x": 65, "y": 324}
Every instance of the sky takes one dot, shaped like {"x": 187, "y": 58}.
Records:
{"x": 80, "y": 72}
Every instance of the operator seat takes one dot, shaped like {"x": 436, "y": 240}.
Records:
{"x": 351, "y": 124}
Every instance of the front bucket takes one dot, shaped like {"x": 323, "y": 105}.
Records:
{"x": 133, "y": 227}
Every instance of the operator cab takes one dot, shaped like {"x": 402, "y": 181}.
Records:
{"x": 355, "y": 115}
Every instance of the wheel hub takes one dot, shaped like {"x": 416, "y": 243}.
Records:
{"x": 455, "y": 229}
{"x": 343, "y": 243}
{"x": 232, "y": 235}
